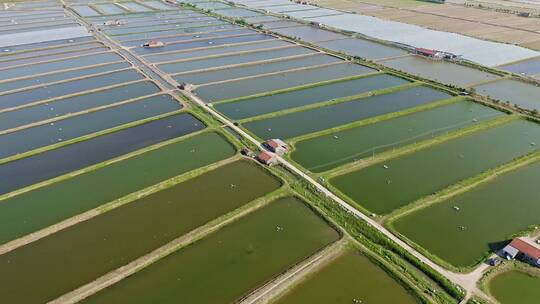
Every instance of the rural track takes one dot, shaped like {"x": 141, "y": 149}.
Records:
{"x": 466, "y": 281}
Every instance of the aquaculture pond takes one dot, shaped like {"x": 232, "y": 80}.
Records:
{"x": 230, "y": 50}
{"x": 528, "y": 67}
{"x": 361, "y": 48}
{"x": 255, "y": 69}
{"x": 239, "y": 88}
{"x": 318, "y": 119}
{"x": 84, "y": 252}
{"x": 32, "y": 80}
{"x": 309, "y": 33}
{"x": 302, "y": 97}
{"x": 515, "y": 287}
{"x": 49, "y": 110}
{"x": 477, "y": 221}
{"x": 185, "y": 38}
{"x": 523, "y": 94}
{"x": 40, "y": 208}
{"x": 442, "y": 71}
{"x": 39, "y": 167}
{"x": 178, "y": 31}
{"x": 50, "y": 57}
{"x": 399, "y": 181}
{"x": 30, "y": 96}
{"x": 350, "y": 277}
{"x": 338, "y": 148}
{"x": 81, "y": 125}
{"x": 226, "y": 265}
{"x": 214, "y": 62}
{"x": 47, "y": 67}
{"x": 186, "y": 45}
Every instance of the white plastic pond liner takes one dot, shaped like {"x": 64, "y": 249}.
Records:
{"x": 43, "y": 36}
{"x": 476, "y": 50}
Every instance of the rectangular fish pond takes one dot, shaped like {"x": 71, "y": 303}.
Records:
{"x": 85, "y": 124}
{"x": 81, "y": 253}
{"x": 476, "y": 221}
{"x": 384, "y": 187}
{"x": 43, "y": 111}
{"x": 350, "y": 277}
{"x": 249, "y": 107}
{"x": 231, "y": 262}
{"x": 334, "y": 149}
{"x": 256, "y": 69}
{"x": 46, "y": 165}
{"x": 322, "y": 118}
{"x": 235, "y": 89}
{"x": 40, "y": 208}
{"x": 524, "y": 95}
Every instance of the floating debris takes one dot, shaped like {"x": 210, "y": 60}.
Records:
{"x": 385, "y": 166}
{"x": 462, "y": 228}
{"x": 475, "y": 120}
{"x": 336, "y": 137}
{"x": 456, "y": 208}
{"x": 533, "y": 143}
{"x": 279, "y": 228}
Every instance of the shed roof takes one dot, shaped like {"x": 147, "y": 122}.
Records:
{"x": 526, "y": 247}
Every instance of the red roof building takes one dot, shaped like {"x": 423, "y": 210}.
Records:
{"x": 528, "y": 249}
{"x": 267, "y": 158}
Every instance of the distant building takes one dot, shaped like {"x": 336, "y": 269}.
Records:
{"x": 267, "y": 158}
{"x": 115, "y": 22}
{"x": 435, "y": 54}
{"x": 524, "y": 248}
{"x": 154, "y": 44}
{"x": 277, "y": 146}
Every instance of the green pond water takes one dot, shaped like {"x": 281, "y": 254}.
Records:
{"x": 77, "y": 255}
{"x": 276, "y": 102}
{"x": 235, "y": 89}
{"x": 318, "y": 119}
{"x": 329, "y": 151}
{"x": 488, "y": 216}
{"x": 515, "y": 287}
{"x": 350, "y": 277}
{"x": 523, "y": 94}
{"x": 226, "y": 265}
{"x": 442, "y": 71}
{"x": 256, "y": 69}
{"x": 397, "y": 182}
{"x": 34, "y": 210}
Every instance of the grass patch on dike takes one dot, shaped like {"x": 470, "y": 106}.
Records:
{"x": 226, "y": 265}
{"x": 35, "y": 210}
{"x": 81, "y": 253}
{"x": 329, "y": 151}
{"x": 477, "y": 220}
{"x": 400, "y": 181}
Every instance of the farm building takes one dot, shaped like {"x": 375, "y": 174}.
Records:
{"x": 267, "y": 158}
{"x": 154, "y": 44}
{"x": 277, "y": 146}
{"x": 528, "y": 250}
